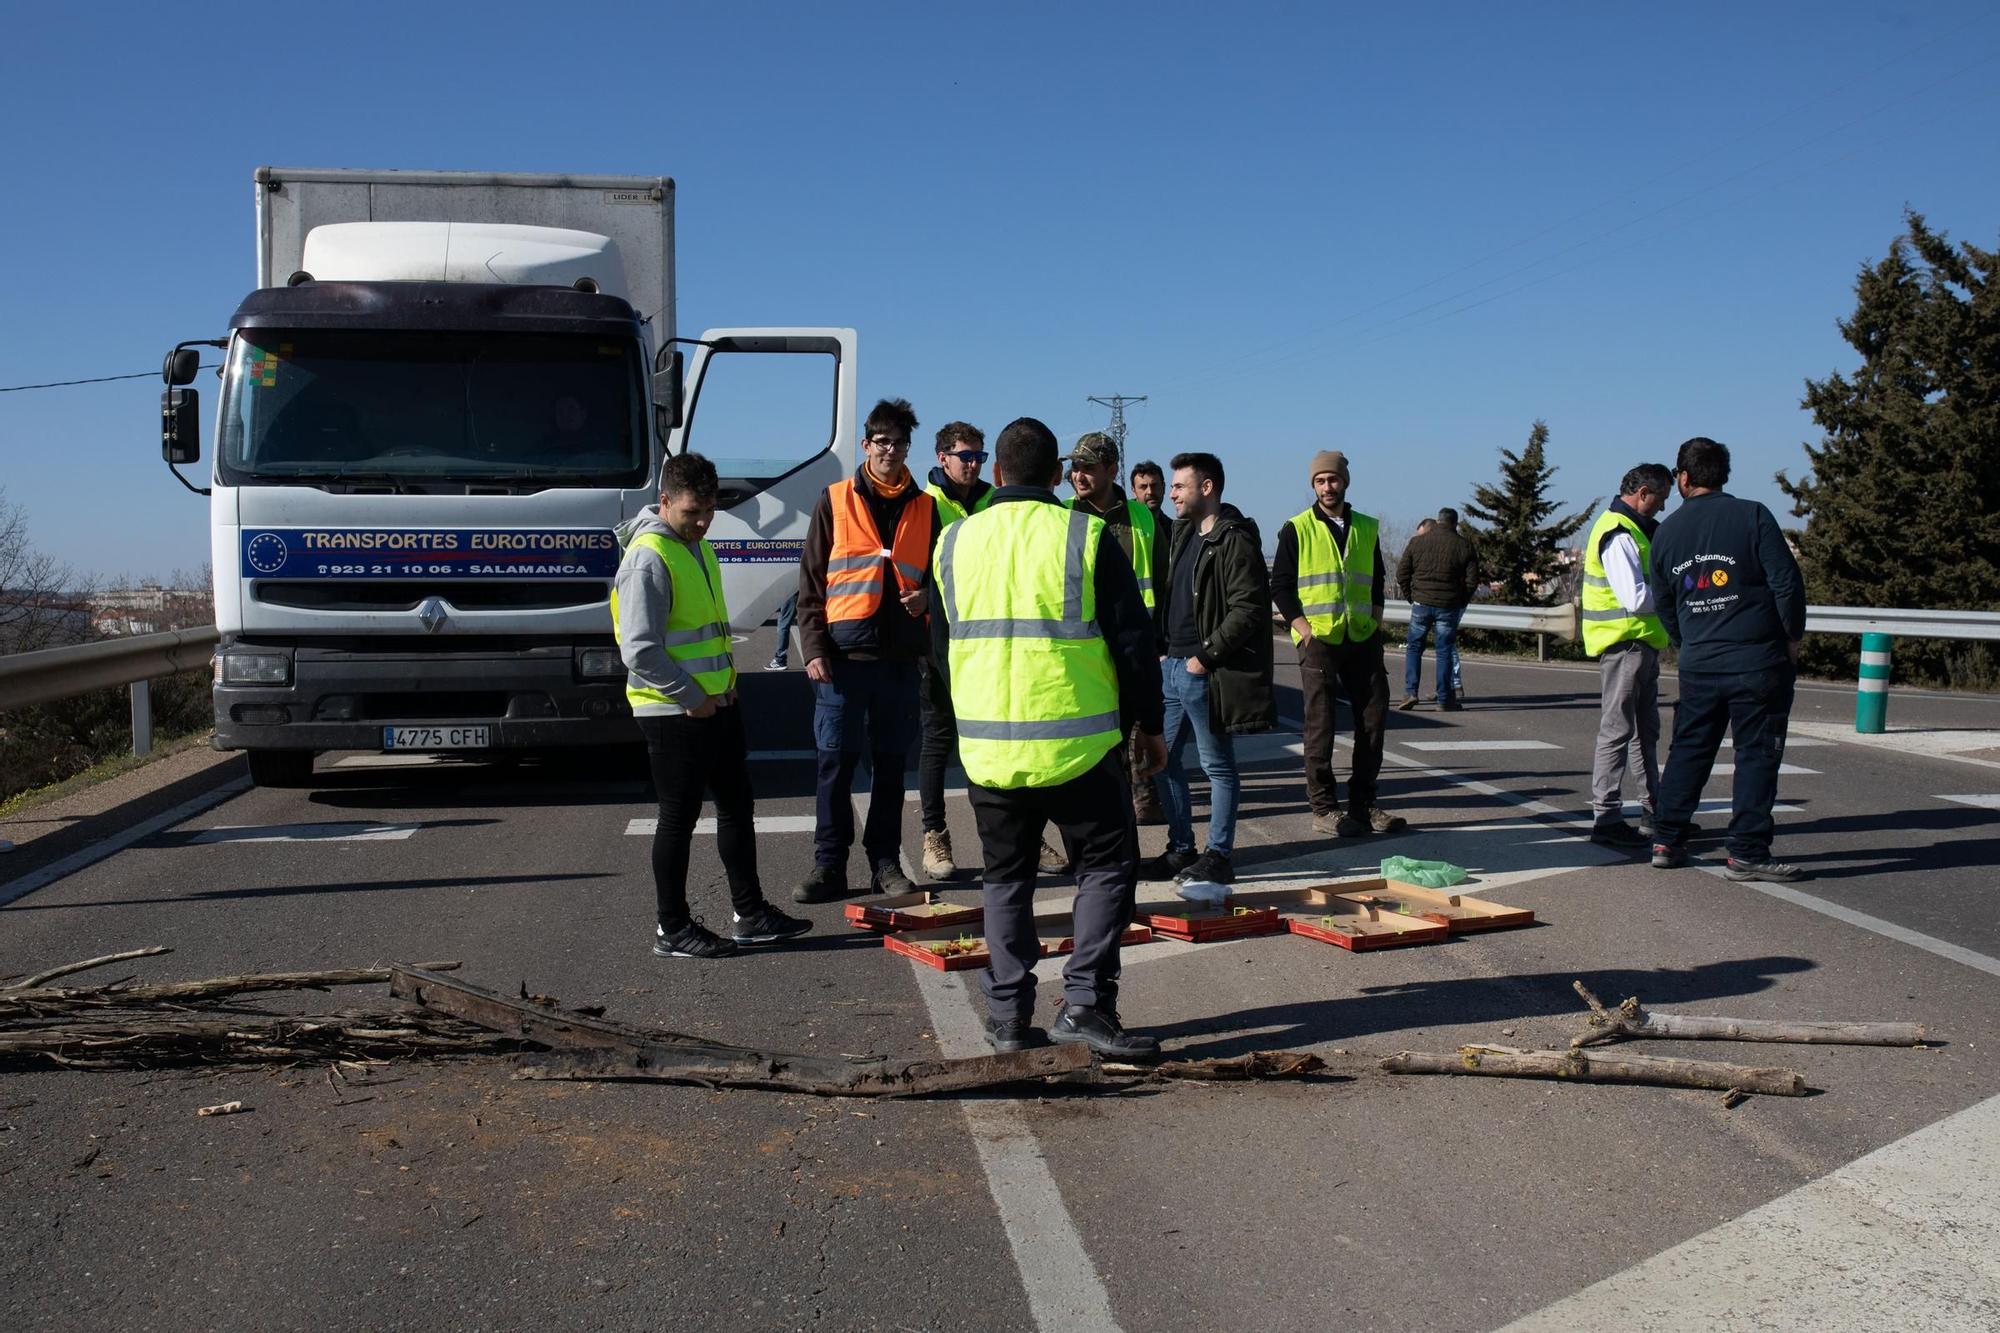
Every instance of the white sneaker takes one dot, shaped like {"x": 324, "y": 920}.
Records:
{"x": 937, "y": 854}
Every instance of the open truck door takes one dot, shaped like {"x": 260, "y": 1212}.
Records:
{"x": 774, "y": 410}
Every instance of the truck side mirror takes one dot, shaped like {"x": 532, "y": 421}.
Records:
{"x": 181, "y": 364}
{"x": 667, "y": 389}
{"x": 180, "y": 423}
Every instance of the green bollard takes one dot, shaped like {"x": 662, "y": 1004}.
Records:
{"x": 1871, "y": 704}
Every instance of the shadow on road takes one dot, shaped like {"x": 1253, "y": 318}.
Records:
{"x": 293, "y": 890}
{"x": 1461, "y": 1001}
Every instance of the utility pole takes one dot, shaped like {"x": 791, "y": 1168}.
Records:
{"x": 1117, "y": 403}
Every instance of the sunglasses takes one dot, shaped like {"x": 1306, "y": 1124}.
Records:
{"x": 889, "y": 442}
{"x": 969, "y": 455}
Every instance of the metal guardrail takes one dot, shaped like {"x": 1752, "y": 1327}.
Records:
{"x": 58, "y": 673}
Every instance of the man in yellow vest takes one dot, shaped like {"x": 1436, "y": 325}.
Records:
{"x": 1049, "y": 655}
{"x": 1327, "y": 581}
{"x": 1093, "y": 475}
{"x": 1622, "y": 632}
{"x": 672, "y": 625}
{"x": 957, "y": 489}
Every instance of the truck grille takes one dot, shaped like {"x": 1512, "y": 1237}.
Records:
{"x": 404, "y": 595}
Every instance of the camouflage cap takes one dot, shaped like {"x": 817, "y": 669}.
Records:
{"x": 1093, "y": 450}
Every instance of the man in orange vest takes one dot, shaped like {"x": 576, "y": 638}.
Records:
{"x": 863, "y": 631}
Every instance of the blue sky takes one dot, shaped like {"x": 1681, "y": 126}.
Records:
{"x": 1406, "y": 235}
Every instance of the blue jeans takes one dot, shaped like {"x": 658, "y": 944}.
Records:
{"x": 1442, "y": 621}
{"x": 788, "y": 616}
{"x": 871, "y": 704}
{"x": 1187, "y": 716}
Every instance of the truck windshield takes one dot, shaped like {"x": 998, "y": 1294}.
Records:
{"x": 353, "y": 405}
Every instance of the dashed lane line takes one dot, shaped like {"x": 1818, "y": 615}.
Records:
{"x": 1450, "y": 746}
{"x": 647, "y": 825}
{"x": 1784, "y": 770}
{"x": 1985, "y": 801}
{"x": 341, "y": 832}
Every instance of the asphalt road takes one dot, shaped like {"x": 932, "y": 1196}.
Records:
{"x": 452, "y": 1196}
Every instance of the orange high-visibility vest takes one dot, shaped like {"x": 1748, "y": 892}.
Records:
{"x": 854, "y": 565}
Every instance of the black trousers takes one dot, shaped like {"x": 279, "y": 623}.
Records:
{"x": 1353, "y": 669}
{"x": 1756, "y": 708}
{"x": 691, "y": 756}
{"x": 1094, "y": 812}
{"x": 940, "y": 740}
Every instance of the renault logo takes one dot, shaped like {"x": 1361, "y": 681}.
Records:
{"x": 431, "y": 612}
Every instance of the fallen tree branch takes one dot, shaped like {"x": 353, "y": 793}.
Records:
{"x": 588, "y": 1047}
{"x": 153, "y": 1040}
{"x": 1580, "y": 1066}
{"x": 44, "y": 1002}
{"x": 1631, "y": 1020}
{"x": 41, "y": 978}
{"x": 1230, "y": 1069}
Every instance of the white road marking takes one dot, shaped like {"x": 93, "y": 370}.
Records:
{"x": 1442, "y": 746}
{"x": 348, "y": 832}
{"x": 1717, "y": 805}
{"x": 1792, "y": 742}
{"x": 1905, "y": 1237}
{"x": 1063, "y": 1288}
{"x": 15, "y": 889}
{"x": 1989, "y": 801}
{"x": 1933, "y": 743}
{"x": 1725, "y": 770}
{"x": 647, "y": 825}
{"x": 1957, "y": 953}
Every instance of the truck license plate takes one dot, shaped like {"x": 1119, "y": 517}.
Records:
{"x": 434, "y": 738}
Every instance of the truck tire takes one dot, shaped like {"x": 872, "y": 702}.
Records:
{"x": 281, "y": 768}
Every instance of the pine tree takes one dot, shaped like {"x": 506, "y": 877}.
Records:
{"x": 1900, "y": 501}
{"x": 1521, "y": 542}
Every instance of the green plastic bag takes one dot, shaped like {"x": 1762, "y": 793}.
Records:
{"x": 1428, "y": 874}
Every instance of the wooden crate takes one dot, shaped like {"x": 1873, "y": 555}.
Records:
{"x": 1361, "y": 926}
{"x": 962, "y": 950}
{"x": 1456, "y": 912}
{"x": 1204, "y": 925}
{"x": 912, "y": 911}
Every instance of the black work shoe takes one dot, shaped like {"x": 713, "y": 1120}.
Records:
{"x": 1014, "y": 1034}
{"x": 889, "y": 878}
{"x": 1167, "y": 865}
{"x": 1451, "y": 706}
{"x": 1775, "y": 871}
{"x": 1409, "y": 702}
{"x": 1383, "y": 822}
{"x": 1668, "y": 858}
{"x": 1211, "y": 866}
{"x": 1618, "y": 833}
{"x": 767, "y": 925}
{"x": 826, "y": 884}
{"x": 693, "y": 940}
{"x": 1347, "y": 826}
{"x": 1102, "y": 1033}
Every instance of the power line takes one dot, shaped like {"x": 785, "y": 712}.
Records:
{"x": 101, "y": 379}
{"x": 1116, "y": 402}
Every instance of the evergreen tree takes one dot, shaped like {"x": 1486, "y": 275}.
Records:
{"x": 1900, "y": 501}
{"x": 1521, "y": 542}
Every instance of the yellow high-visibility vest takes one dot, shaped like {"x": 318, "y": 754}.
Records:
{"x": 1335, "y": 591}
{"x": 1605, "y": 622}
{"x": 950, "y": 510}
{"x": 1144, "y": 535}
{"x": 697, "y": 630}
{"x": 1032, "y": 682}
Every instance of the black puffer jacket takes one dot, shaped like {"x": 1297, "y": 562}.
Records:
{"x": 1232, "y": 612}
{"x": 1439, "y": 568}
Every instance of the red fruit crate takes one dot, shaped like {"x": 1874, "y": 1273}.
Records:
{"x": 1207, "y": 925}
{"x": 957, "y": 950}
{"x": 912, "y": 911}
{"x": 1456, "y": 912}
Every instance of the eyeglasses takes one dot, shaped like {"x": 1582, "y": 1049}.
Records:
{"x": 888, "y": 442}
{"x": 969, "y": 455}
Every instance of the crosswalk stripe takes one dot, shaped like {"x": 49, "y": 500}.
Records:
{"x": 1443, "y": 746}
{"x": 1791, "y": 742}
{"x": 301, "y": 833}
{"x": 1724, "y": 770}
{"x": 1986, "y": 801}
{"x": 1718, "y": 805}
{"x": 647, "y": 825}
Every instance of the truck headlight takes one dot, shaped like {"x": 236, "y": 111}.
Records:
{"x": 255, "y": 669}
{"x": 599, "y": 662}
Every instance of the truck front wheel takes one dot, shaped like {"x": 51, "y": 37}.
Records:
{"x": 281, "y": 768}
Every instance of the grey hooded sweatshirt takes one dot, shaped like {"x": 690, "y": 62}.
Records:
{"x": 645, "y": 596}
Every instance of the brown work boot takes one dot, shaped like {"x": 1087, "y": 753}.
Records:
{"x": 1383, "y": 822}
{"x": 1053, "y": 861}
{"x": 1327, "y": 824}
{"x": 937, "y": 854}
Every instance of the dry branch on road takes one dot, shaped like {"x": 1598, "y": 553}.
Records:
{"x": 1580, "y": 1066}
{"x": 1631, "y": 1020}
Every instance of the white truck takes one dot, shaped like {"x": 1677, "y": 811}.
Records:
{"x": 445, "y": 391}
